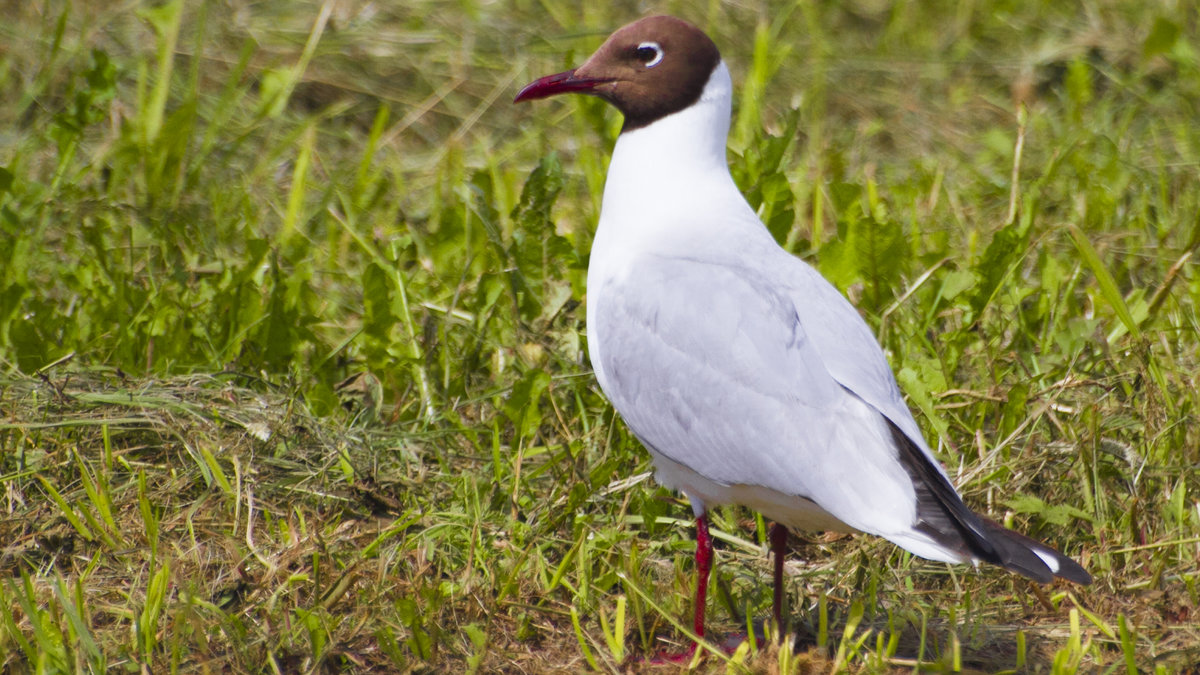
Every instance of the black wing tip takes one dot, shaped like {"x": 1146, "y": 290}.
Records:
{"x": 1074, "y": 572}
{"x": 1042, "y": 572}
{"x": 1028, "y": 557}
{"x": 943, "y": 515}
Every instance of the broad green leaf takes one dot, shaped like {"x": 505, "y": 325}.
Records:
{"x": 995, "y": 265}
{"x": 1162, "y": 37}
{"x": 378, "y": 318}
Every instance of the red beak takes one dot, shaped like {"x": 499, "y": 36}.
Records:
{"x": 561, "y": 83}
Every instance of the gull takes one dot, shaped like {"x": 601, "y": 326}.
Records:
{"x": 746, "y": 375}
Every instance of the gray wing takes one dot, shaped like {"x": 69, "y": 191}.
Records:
{"x": 711, "y": 365}
{"x": 847, "y": 347}
{"x": 853, "y": 357}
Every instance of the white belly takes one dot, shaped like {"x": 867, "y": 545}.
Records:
{"x": 795, "y": 512}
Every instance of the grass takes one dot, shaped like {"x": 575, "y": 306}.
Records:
{"x": 292, "y": 349}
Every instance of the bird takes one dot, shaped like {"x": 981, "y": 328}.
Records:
{"x": 748, "y": 377}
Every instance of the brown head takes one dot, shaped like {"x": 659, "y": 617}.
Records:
{"x": 649, "y": 69}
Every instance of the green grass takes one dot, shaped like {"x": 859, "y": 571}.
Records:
{"x": 293, "y": 360}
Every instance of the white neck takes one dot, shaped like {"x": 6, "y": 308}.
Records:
{"x": 669, "y": 185}
{"x": 691, "y": 138}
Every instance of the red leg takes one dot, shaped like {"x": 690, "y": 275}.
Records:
{"x": 704, "y": 558}
{"x": 779, "y": 537}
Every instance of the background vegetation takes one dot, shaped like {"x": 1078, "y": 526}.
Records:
{"x": 293, "y": 373}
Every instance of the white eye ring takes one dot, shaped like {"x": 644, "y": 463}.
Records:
{"x": 658, "y": 53}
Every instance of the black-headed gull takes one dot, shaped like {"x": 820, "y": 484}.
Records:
{"x": 749, "y": 378}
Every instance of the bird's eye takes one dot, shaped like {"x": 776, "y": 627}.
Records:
{"x": 649, "y": 53}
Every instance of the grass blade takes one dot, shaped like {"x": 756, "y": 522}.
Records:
{"x": 1108, "y": 287}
